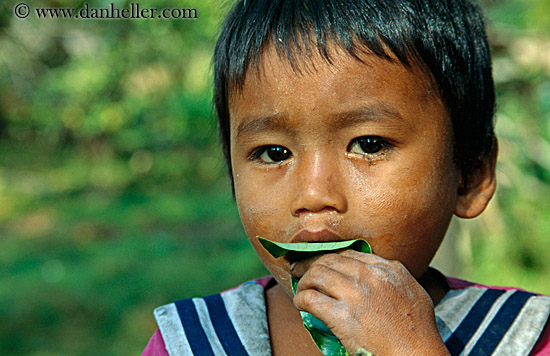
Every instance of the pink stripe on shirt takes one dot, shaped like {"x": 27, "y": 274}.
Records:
{"x": 156, "y": 346}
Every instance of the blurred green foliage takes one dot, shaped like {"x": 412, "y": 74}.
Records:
{"x": 113, "y": 198}
{"x": 113, "y": 195}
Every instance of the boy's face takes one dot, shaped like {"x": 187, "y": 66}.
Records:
{"x": 343, "y": 151}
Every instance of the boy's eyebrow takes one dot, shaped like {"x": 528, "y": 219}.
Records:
{"x": 277, "y": 122}
{"x": 377, "y": 112}
{"x": 250, "y": 126}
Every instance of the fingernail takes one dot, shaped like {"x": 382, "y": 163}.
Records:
{"x": 292, "y": 266}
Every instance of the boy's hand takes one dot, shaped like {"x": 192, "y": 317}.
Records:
{"x": 369, "y": 302}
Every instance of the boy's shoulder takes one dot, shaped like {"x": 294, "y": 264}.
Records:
{"x": 478, "y": 319}
{"x": 233, "y": 322}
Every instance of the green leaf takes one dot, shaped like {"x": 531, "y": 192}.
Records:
{"x": 279, "y": 249}
{"x": 323, "y": 337}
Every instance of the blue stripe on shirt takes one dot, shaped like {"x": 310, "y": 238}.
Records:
{"x": 458, "y": 340}
{"x": 193, "y": 328}
{"x": 500, "y": 324}
{"x": 224, "y": 327}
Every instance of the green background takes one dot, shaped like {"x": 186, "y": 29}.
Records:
{"x": 113, "y": 194}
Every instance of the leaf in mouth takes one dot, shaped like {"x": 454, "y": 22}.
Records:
{"x": 279, "y": 249}
{"x": 323, "y": 337}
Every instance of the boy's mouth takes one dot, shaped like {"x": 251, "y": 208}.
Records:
{"x": 323, "y": 235}
{"x": 293, "y": 252}
{"x": 306, "y": 235}
{"x": 293, "y": 256}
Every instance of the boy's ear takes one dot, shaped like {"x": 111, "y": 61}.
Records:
{"x": 477, "y": 189}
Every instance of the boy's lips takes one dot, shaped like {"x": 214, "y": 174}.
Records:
{"x": 323, "y": 235}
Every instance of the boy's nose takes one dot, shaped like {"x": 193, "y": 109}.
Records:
{"x": 318, "y": 187}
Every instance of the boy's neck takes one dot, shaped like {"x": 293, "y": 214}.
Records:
{"x": 286, "y": 332}
{"x": 435, "y": 284}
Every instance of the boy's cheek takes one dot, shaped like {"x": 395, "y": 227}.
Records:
{"x": 260, "y": 217}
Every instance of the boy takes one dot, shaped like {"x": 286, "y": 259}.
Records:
{"x": 356, "y": 120}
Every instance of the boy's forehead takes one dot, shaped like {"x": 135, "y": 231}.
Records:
{"x": 274, "y": 71}
{"x": 298, "y": 64}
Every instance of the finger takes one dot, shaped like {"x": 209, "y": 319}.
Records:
{"x": 321, "y": 278}
{"x": 299, "y": 268}
{"x": 330, "y": 311}
{"x": 365, "y": 257}
{"x": 371, "y": 260}
{"x": 332, "y": 283}
{"x": 314, "y": 302}
{"x": 341, "y": 261}
{"x": 334, "y": 274}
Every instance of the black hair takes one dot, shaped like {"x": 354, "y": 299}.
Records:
{"x": 446, "y": 38}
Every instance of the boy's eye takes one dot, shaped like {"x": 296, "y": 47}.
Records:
{"x": 272, "y": 154}
{"x": 367, "y": 145}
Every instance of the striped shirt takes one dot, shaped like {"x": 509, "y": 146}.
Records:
{"x": 472, "y": 320}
